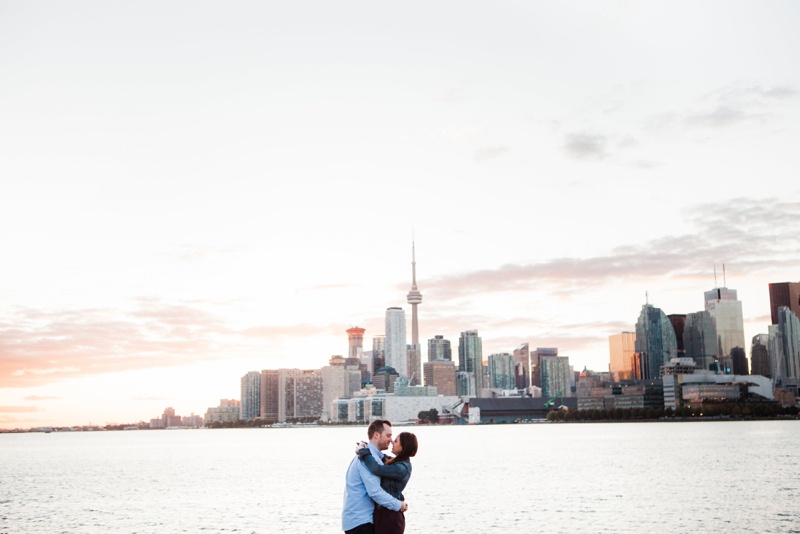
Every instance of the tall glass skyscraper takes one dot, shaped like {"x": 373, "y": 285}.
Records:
{"x": 396, "y": 350}
{"x": 726, "y": 310}
{"x": 784, "y": 294}
{"x": 501, "y": 371}
{"x": 784, "y": 349}
{"x": 700, "y": 339}
{"x": 470, "y": 357}
{"x": 250, "y": 407}
{"x": 655, "y": 341}
{"x": 555, "y": 376}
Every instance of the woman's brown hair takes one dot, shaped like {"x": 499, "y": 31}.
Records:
{"x": 408, "y": 442}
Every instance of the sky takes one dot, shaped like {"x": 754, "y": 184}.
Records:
{"x": 195, "y": 190}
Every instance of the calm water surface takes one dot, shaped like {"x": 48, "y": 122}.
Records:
{"x": 627, "y": 477}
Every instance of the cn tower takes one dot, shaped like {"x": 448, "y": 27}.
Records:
{"x": 414, "y": 298}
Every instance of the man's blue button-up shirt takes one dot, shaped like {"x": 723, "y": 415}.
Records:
{"x": 362, "y": 490}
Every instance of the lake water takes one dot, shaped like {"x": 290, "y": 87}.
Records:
{"x": 626, "y": 477}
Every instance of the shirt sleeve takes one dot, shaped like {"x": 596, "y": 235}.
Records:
{"x": 394, "y": 471}
{"x": 373, "y": 485}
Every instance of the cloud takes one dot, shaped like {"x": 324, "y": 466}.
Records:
{"x": 490, "y": 152}
{"x": 40, "y": 398}
{"x": 585, "y": 147}
{"x": 720, "y": 117}
{"x": 18, "y": 409}
{"x": 464, "y": 133}
{"x": 38, "y": 348}
{"x": 739, "y": 228}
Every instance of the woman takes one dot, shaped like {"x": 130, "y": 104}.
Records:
{"x": 394, "y": 477}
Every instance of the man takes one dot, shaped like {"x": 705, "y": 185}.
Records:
{"x": 362, "y": 489}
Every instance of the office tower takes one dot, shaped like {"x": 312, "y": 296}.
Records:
{"x": 759, "y": 356}
{"x": 270, "y": 386}
{"x": 501, "y": 371}
{"x": 555, "y": 376}
{"x": 465, "y": 384}
{"x": 726, "y": 311}
{"x": 414, "y": 352}
{"x": 414, "y": 360}
{"x": 355, "y": 342}
{"x": 522, "y": 367}
{"x": 621, "y": 348}
{"x": 378, "y": 352}
{"x": 439, "y": 349}
{"x": 655, "y": 341}
{"x": 784, "y": 349}
{"x": 739, "y": 361}
{"x": 784, "y": 294}
{"x": 396, "y": 350}
{"x": 536, "y": 369}
{"x": 678, "y": 322}
{"x": 385, "y": 378}
{"x": 251, "y": 395}
{"x": 470, "y": 358}
{"x": 442, "y": 375}
{"x": 700, "y": 339}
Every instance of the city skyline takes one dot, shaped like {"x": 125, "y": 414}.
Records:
{"x": 192, "y": 192}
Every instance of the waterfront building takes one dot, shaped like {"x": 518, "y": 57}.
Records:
{"x": 784, "y": 294}
{"x": 726, "y": 310}
{"x": 700, "y": 339}
{"x": 655, "y": 341}
{"x": 621, "y": 349}
{"x": 784, "y": 350}
{"x": 251, "y": 396}
{"x": 414, "y": 351}
{"x": 759, "y": 356}
{"x": 501, "y": 371}
{"x": 270, "y": 393}
{"x": 470, "y": 357}
{"x": 465, "y": 384}
{"x": 338, "y": 380}
{"x": 228, "y": 411}
{"x": 441, "y": 374}
{"x": 370, "y": 404}
{"x": 555, "y": 376}
{"x": 522, "y": 367}
{"x": 396, "y": 347}
{"x": 439, "y": 349}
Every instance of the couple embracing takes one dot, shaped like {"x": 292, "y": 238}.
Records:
{"x": 373, "y": 492}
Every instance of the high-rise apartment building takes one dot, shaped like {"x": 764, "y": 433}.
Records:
{"x": 726, "y": 310}
{"x": 522, "y": 367}
{"x": 442, "y": 375}
{"x": 555, "y": 376}
{"x": 396, "y": 349}
{"x": 339, "y": 379}
{"x": 501, "y": 371}
{"x": 250, "y": 407}
{"x": 292, "y": 394}
{"x": 700, "y": 339}
{"x": 621, "y": 348}
{"x": 536, "y": 369}
{"x": 439, "y": 349}
{"x": 655, "y": 341}
{"x": 470, "y": 358}
{"x": 784, "y": 294}
{"x": 355, "y": 342}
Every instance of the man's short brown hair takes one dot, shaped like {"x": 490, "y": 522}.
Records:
{"x": 376, "y": 426}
